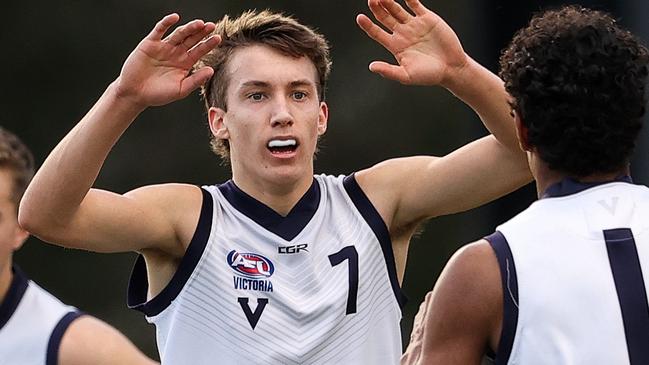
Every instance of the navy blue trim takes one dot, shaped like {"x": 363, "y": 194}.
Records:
{"x": 509, "y": 281}
{"x": 569, "y": 186}
{"x": 54, "y": 344}
{"x": 14, "y": 295}
{"x": 376, "y": 223}
{"x": 631, "y": 293}
{"x": 286, "y": 227}
{"x": 138, "y": 285}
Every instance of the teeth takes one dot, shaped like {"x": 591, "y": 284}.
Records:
{"x": 281, "y": 143}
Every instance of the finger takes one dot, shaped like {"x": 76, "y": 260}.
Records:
{"x": 196, "y": 79}
{"x": 197, "y": 37}
{"x": 203, "y": 48}
{"x": 416, "y": 7}
{"x": 372, "y": 30}
{"x": 382, "y": 15}
{"x": 399, "y": 13}
{"x": 163, "y": 26}
{"x": 392, "y": 72}
{"x": 181, "y": 33}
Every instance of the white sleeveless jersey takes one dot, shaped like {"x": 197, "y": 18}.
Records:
{"x": 318, "y": 286}
{"x": 575, "y": 269}
{"x": 32, "y": 324}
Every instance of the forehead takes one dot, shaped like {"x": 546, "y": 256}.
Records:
{"x": 266, "y": 64}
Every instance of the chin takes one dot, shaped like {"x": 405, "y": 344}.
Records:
{"x": 287, "y": 172}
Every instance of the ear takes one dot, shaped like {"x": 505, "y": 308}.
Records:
{"x": 216, "y": 121}
{"x": 521, "y": 133}
{"x": 323, "y": 118}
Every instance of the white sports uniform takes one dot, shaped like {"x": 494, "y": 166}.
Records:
{"x": 575, "y": 268}
{"x": 318, "y": 286}
{"x": 32, "y": 324}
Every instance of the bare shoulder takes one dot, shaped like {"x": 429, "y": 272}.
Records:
{"x": 385, "y": 182}
{"x": 470, "y": 283}
{"x": 474, "y": 267}
{"x": 181, "y": 204}
{"x": 89, "y": 340}
{"x": 461, "y": 317}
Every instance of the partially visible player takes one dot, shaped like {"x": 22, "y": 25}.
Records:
{"x": 35, "y": 327}
{"x": 565, "y": 281}
{"x": 275, "y": 266}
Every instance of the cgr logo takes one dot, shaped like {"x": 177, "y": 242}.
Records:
{"x": 250, "y": 265}
{"x": 292, "y": 249}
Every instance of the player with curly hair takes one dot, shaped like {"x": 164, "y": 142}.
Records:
{"x": 565, "y": 281}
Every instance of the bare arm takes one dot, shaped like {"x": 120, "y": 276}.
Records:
{"x": 429, "y": 53}
{"x": 411, "y": 189}
{"x": 91, "y": 341}
{"x": 60, "y": 206}
{"x": 462, "y": 316}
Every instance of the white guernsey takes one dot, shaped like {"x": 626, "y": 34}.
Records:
{"x": 318, "y": 286}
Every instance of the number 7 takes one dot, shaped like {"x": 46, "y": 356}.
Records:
{"x": 348, "y": 253}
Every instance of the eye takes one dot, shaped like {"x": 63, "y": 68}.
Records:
{"x": 256, "y": 96}
{"x": 299, "y": 95}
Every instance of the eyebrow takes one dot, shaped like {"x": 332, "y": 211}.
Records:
{"x": 255, "y": 83}
{"x": 303, "y": 82}
{"x": 296, "y": 83}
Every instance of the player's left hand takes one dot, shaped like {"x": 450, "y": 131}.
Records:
{"x": 427, "y": 50}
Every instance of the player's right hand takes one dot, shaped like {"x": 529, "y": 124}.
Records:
{"x": 158, "y": 71}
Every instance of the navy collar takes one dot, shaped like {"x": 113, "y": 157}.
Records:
{"x": 569, "y": 186}
{"x": 14, "y": 295}
{"x": 286, "y": 227}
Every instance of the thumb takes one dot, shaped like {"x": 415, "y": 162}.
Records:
{"x": 392, "y": 72}
{"x": 196, "y": 79}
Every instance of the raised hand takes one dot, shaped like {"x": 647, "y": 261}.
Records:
{"x": 427, "y": 50}
{"x": 157, "y": 72}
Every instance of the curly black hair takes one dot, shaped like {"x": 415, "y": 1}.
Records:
{"x": 577, "y": 81}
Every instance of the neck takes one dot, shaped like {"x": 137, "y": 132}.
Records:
{"x": 545, "y": 177}
{"x": 6, "y": 276}
{"x": 280, "y": 197}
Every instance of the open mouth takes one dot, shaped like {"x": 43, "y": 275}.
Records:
{"x": 282, "y": 146}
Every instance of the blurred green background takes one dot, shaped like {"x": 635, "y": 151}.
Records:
{"x": 59, "y": 56}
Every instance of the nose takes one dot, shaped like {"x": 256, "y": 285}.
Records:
{"x": 281, "y": 116}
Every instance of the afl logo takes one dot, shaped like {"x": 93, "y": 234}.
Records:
{"x": 250, "y": 265}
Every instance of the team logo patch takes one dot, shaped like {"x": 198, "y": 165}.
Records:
{"x": 250, "y": 265}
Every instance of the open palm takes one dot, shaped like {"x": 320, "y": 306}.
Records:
{"x": 425, "y": 47}
{"x": 158, "y": 71}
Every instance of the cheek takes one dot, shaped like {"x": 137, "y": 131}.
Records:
{"x": 312, "y": 137}
{"x": 245, "y": 135}
{"x": 315, "y": 130}
{"x": 245, "y": 141}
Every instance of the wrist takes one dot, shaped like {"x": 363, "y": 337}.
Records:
{"x": 124, "y": 98}
{"x": 460, "y": 74}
